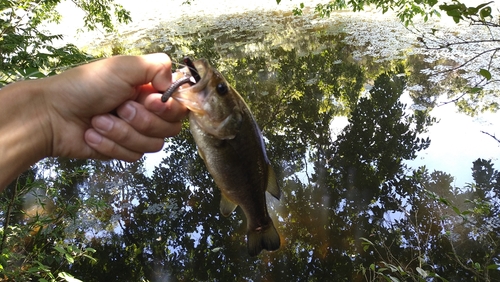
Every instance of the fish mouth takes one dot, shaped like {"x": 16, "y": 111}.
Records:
{"x": 192, "y": 97}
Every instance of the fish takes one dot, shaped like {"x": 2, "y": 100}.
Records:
{"x": 232, "y": 147}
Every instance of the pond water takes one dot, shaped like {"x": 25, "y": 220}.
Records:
{"x": 375, "y": 166}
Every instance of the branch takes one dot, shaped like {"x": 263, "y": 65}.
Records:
{"x": 443, "y": 46}
{"x": 494, "y": 50}
{"x": 491, "y": 135}
{"x": 453, "y": 100}
{"x": 8, "y": 215}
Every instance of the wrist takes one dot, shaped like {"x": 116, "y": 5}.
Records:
{"x": 25, "y": 129}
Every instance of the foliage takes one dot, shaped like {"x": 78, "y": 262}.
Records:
{"x": 27, "y": 51}
{"x": 34, "y": 240}
{"x": 473, "y": 97}
{"x": 477, "y": 95}
{"x": 462, "y": 232}
{"x": 35, "y": 243}
{"x": 405, "y": 10}
{"x": 476, "y": 14}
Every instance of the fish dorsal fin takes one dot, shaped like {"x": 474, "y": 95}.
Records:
{"x": 272, "y": 183}
{"x": 226, "y": 206}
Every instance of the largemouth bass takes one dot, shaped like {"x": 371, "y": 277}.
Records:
{"x": 231, "y": 145}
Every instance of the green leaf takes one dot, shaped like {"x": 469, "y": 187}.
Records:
{"x": 485, "y": 13}
{"x": 471, "y": 11}
{"x": 444, "y": 201}
{"x": 69, "y": 258}
{"x": 93, "y": 260}
{"x": 475, "y": 90}
{"x": 485, "y": 73}
{"x": 366, "y": 241}
{"x": 422, "y": 272}
{"x": 217, "y": 249}
{"x": 493, "y": 266}
{"x": 393, "y": 279}
{"x": 60, "y": 249}
{"x": 484, "y": 5}
{"x": 68, "y": 277}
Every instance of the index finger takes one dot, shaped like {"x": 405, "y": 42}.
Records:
{"x": 139, "y": 70}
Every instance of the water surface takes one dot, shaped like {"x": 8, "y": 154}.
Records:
{"x": 350, "y": 117}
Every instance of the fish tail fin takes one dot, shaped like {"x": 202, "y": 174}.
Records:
{"x": 262, "y": 238}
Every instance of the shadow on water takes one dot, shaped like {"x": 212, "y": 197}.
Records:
{"x": 351, "y": 210}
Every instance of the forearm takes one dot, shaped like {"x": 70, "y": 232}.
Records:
{"x": 24, "y": 129}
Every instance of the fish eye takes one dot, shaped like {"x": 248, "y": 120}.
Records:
{"x": 222, "y": 88}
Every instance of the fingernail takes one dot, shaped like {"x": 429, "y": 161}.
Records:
{"x": 128, "y": 112}
{"x": 94, "y": 137}
{"x": 104, "y": 123}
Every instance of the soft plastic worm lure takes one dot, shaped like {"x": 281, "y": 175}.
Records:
{"x": 166, "y": 95}
{"x": 188, "y": 79}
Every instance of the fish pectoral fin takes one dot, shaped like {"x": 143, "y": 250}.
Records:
{"x": 226, "y": 206}
{"x": 201, "y": 154}
{"x": 272, "y": 183}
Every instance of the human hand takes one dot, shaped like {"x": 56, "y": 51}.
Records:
{"x": 80, "y": 101}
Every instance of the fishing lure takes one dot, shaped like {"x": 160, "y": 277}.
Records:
{"x": 188, "y": 79}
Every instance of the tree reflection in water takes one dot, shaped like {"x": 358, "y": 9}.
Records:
{"x": 351, "y": 209}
